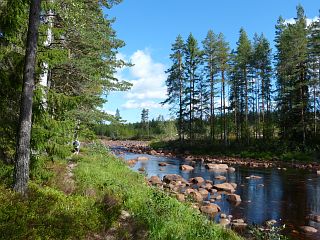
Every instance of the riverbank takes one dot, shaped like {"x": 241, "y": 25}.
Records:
{"x": 94, "y": 195}
{"x": 168, "y": 150}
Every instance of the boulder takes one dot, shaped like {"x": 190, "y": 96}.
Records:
{"x": 308, "y": 229}
{"x": 231, "y": 169}
{"x": 207, "y": 186}
{"x": 142, "y": 158}
{"x": 203, "y": 192}
{"x": 180, "y": 197}
{"x": 173, "y": 178}
{"x": 155, "y": 180}
{"x": 188, "y": 191}
{"x": 196, "y": 196}
{"x": 186, "y": 168}
{"x": 217, "y": 167}
{"x": 197, "y": 180}
{"x": 225, "y": 187}
{"x": 234, "y": 185}
{"x": 210, "y": 209}
{"x": 234, "y": 198}
{"x": 153, "y": 152}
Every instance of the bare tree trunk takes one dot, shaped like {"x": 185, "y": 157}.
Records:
{"x": 22, "y": 158}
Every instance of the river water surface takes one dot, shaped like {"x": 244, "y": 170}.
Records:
{"x": 287, "y": 196}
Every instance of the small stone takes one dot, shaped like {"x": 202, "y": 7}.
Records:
{"x": 162, "y": 164}
{"x": 308, "y": 229}
{"x": 222, "y": 178}
{"x": 318, "y": 172}
{"x": 142, "y": 169}
{"x": 231, "y": 169}
{"x": 142, "y": 158}
{"x": 186, "y": 168}
{"x": 223, "y": 215}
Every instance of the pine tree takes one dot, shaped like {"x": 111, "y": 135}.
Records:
{"x": 210, "y": 60}
{"x": 263, "y": 71}
{"x": 243, "y": 61}
{"x": 223, "y": 66}
{"x": 176, "y": 83}
{"x": 192, "y": 64}
{"x": 22, "y": 159}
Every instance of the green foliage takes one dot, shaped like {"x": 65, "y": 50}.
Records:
{"x": 47, "y": 214}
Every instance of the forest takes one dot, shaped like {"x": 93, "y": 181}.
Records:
{"x": 249, "y": 96}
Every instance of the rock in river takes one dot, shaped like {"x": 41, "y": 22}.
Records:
{"x": 225, "y": 187}
{"x": 234, "y": 198}
{"x": 186, "y": 168}
{"x": 217, "y": 167}
{"x": 142, "y": 158}
{"x": 173, "y": 178}
{"x": 155, "y": 180}
{"x": 210, "y": 209}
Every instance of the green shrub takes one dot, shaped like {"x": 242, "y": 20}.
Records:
{"x": 47, "y": 214}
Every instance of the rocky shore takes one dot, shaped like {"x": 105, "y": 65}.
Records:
{"x": 142, "y": 147}
{"x": 205, "y": 195}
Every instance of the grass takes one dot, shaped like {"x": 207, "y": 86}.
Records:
{"x": 104, "y": 187}
{"x": 162, "y": 215}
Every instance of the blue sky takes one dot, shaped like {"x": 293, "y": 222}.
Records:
{"x": 149, "y": 27}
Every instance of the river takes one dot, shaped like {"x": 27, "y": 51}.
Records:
{"x": 287, "y": 196}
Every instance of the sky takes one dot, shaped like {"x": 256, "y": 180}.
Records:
{"x": 149, "y": 27}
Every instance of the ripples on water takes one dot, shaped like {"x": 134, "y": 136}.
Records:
{"x": 286, "y": 196}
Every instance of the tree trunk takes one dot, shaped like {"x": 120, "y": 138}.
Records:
{"x": 22, "y": 158}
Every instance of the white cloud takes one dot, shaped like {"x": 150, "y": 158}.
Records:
{"x": 148, "y": 81}
{"x": 309, "y": 20}
{"x": 133, "y": 104}
{"x": 148, "y": 77}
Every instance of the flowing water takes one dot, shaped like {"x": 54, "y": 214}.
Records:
{"x": 288, "y": 196}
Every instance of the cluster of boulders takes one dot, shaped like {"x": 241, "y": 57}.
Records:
{"x": 203, "y": 194}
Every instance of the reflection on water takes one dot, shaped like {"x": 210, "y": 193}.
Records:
{"x": 286, "y": 196}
